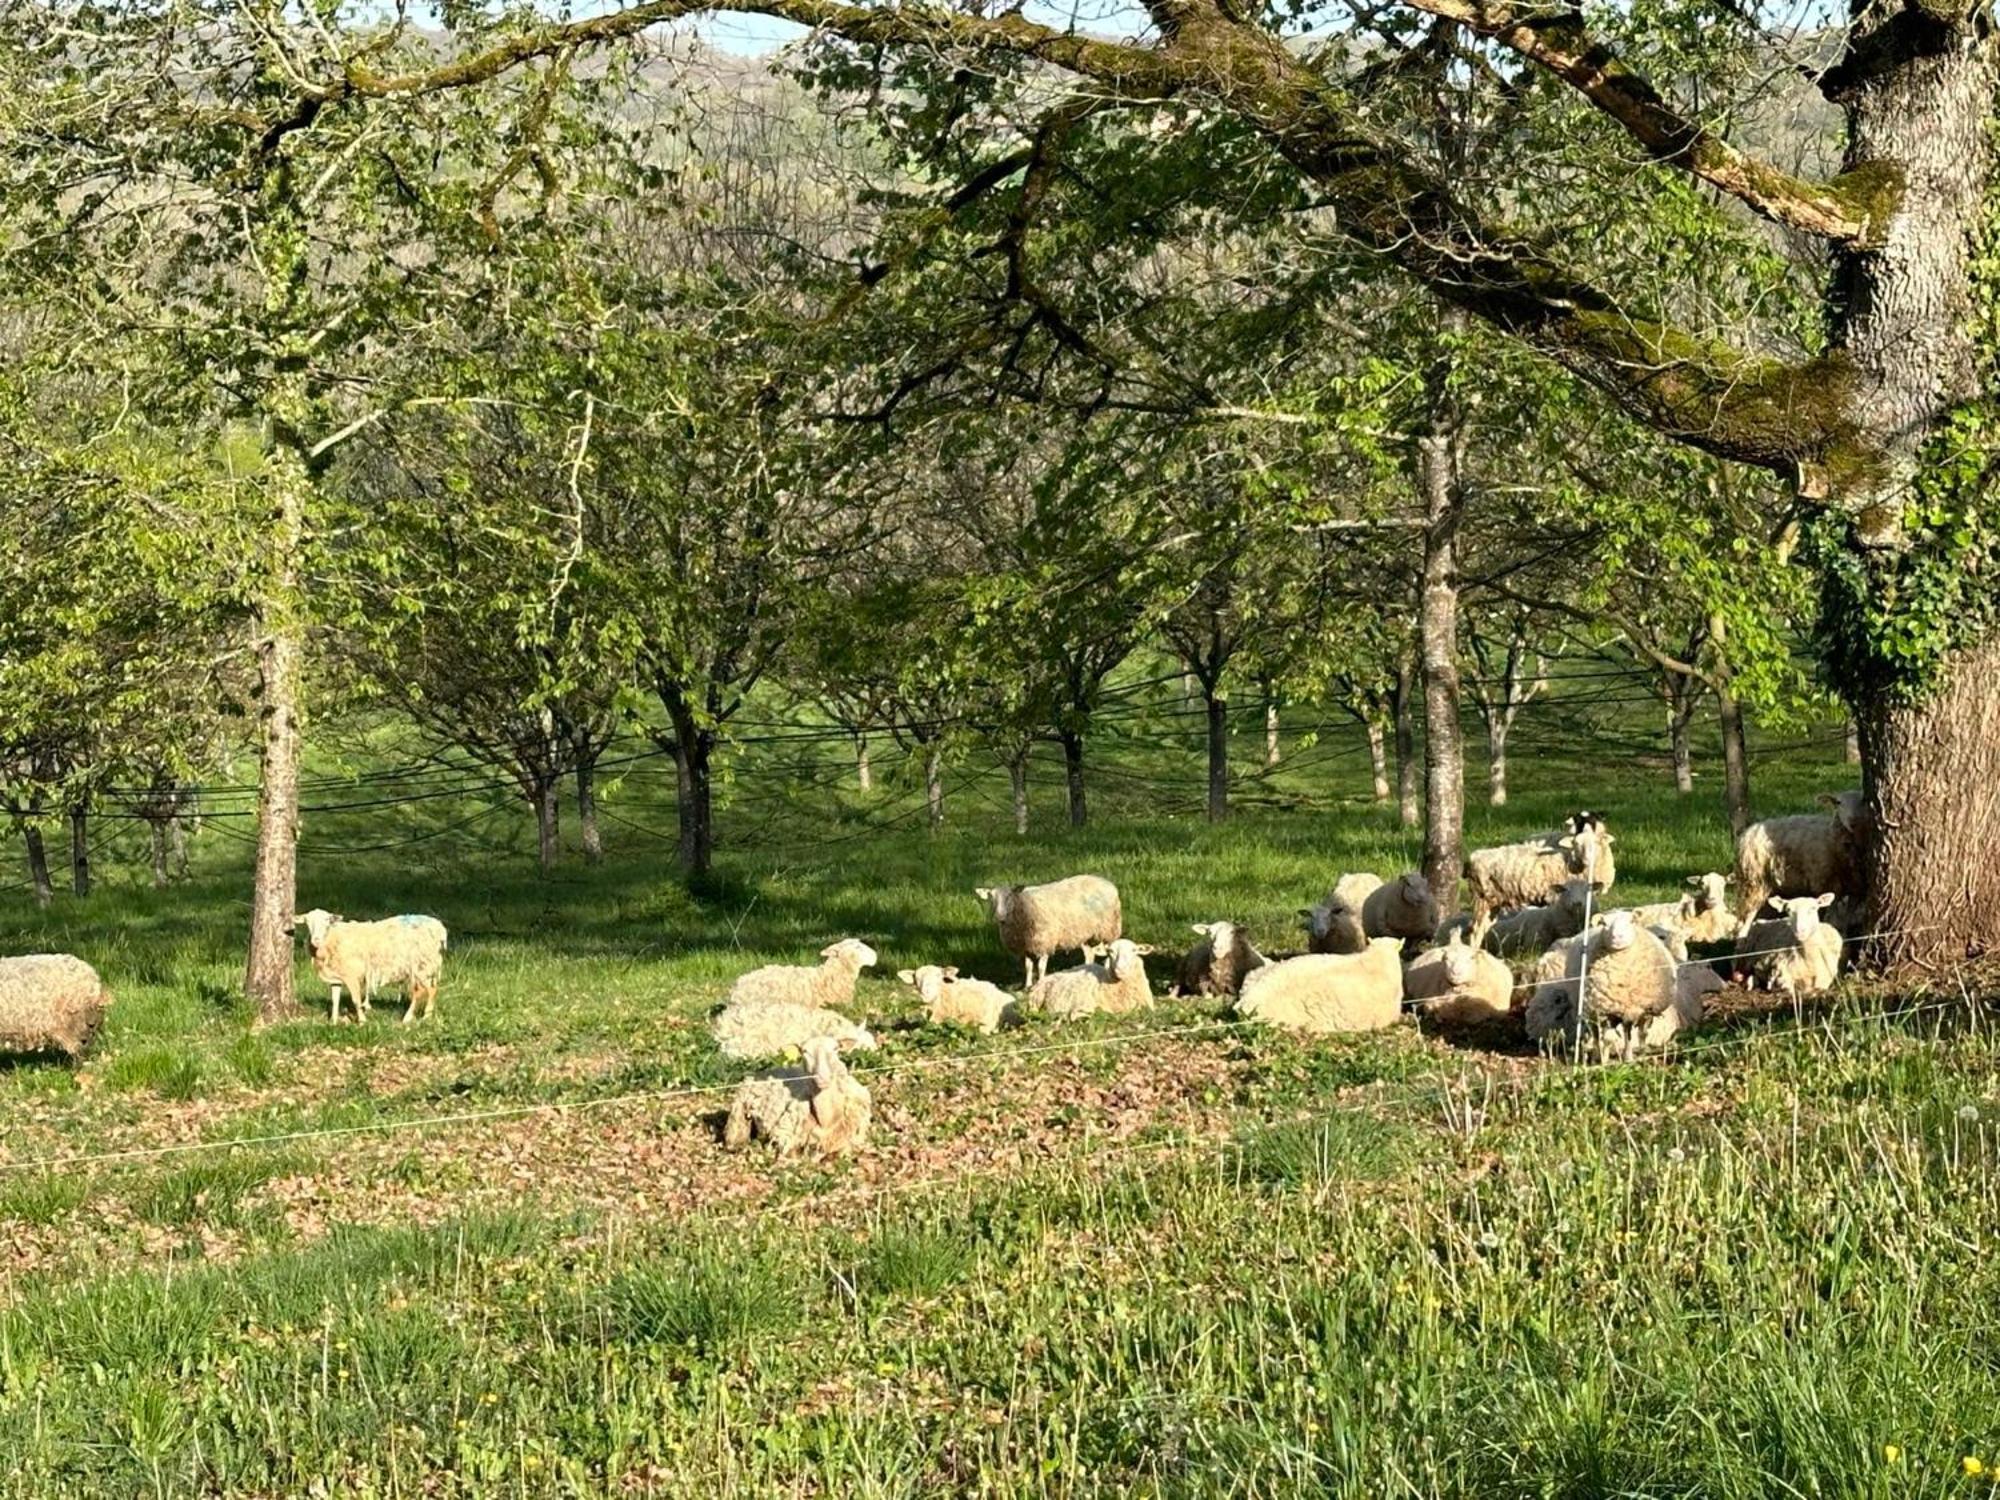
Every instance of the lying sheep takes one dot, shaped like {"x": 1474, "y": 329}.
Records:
{"x": 1803, "y": 855}
{"x": 819, "y": 1107}
{"x": 1534, "y": 871}
{"x": 1459, "y": 985}
{"x": 1329, "y": 992}
{"x": 827, "y": 983}
{"x": 1701, "y": 916}
{"x": 771, "y": 1028}
{"x": 50, "y": 1002}
{"x": 1628, "y": 983}
{"x": 958, "y": 1002}
{"x": 1402, "y": 908}
{"x": 362, "y": 957}
{"x": 1035, "y": 921}
{"x": 1535, "y": 929}
{"x": 1114, "y": 985}
{"x": 1795, "y": 952}
{"x": 1334, "y": 926}
{"x": 1216, "y": 965}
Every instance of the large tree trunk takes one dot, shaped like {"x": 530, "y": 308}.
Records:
{"x": 1017, "y": 774}
{"x": 1440, "y": 481}
{"x": 934, "y": 785}
{"x": 1406, "y": 743}
{"x": 1378, "y": 759}
{"x": 1079, "y": 810}
{"x": 79, "y": 851}
{"x": 586, "y": 812}
{"x": 1496, "y": 759}
{"x": 693, "y": 802}
{"x": 548, "y": 825}
{"x": 38, "y": 864}
{"x": 158, "y": 829}
{"x": 177, "y": 844}
{"x": 1218, "y": 758}
{"x": 274, "y": 886}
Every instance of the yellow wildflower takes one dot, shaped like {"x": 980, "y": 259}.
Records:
{"x": 1972, "y": 1466}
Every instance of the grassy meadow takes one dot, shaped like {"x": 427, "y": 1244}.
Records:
{"x": 502, "y": 1253}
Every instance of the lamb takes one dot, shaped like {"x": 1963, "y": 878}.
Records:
{"x": 829, "y": 983}
{"x": 771, "y": 1028}
{"x": 1628, "y": 982}
{"x": 1217, "y": 964}
{"x": 1459, "y": 985}
{"x": 1534, "y": 871}
{"x": 1334, "y": 926}
{"x": 1534, "y": 929}
{"x": 362, "y": 957}
{"x": 1115, "y": 985}
{"x": 821, "y": 1106}
{"x": 1403, "y": 908}
{"x": 1795, "y": 952}
{"x": 50, "y": 1002}
{"x": 958, "y": 1002}
{"x": 1038, "y": 920}
{"x": 1701, "y": 916}
{"x": 1329, "y": 992}
{"x": 1803, "y": 855}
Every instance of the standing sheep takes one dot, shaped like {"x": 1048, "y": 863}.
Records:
{"x": 1329, "y": 992}
{"x": 1459, "y": 985}
{"x": 821, "y": 1106}
{"x": 1535, "y": 870}
{"x": 1795, "y": 952}
{"x": 1038, "y": 920}
{"x": 771, "y": 1028}
{"x": 1217, "y": 964}
{"x": 1627, "y": 981}
{"x": 958, "y": 1002}
{"x": 362, "y": 957}
{"x": 50, "y": 1002}
{"x": 1114, "y": 985}
{"x": 1802, "y": 855}
{"x": 1401, "y": 908}
{"x": 829, "y": 983}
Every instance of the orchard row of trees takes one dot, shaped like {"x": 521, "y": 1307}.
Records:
{"x": 535, "y": 382}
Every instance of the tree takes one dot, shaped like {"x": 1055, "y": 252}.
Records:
{"x": 1511, "y": 673}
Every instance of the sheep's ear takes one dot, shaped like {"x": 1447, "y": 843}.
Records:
{"x": 1778, "y": 903}
{"x": 1204, "y": 928}
{"x": 907, "y": 976}
{"x": 1697, "y": 881}
{"x": 982, "y": 892}
{"x": 1827, "y": 900}
{"x": 1306, "y": 914}
{"x": 1568, "y": 841}
{"x": 950, "y": 972}
{"x": 1142, "y": 948}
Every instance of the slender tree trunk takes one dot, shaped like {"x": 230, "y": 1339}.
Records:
{"x": 1680, "y": 719}
{"x": 694, "y": 803}
{"x": 79, "y": 851}
{"x": 158, "y": 828}
{"x": 1079, "y": 809}
{"x": 1735, "y": 747}
{"x": 1378, "y": 759}
{"x": 1440, "y": 455}
{"x": 548, "y": 825}
{"x": 1218, "y": 758}
{"x": 864, "y": 772}
{"x": 280, "y": 649}
{"x": 586, "y": 812}
{"x": 1017, "y": 773}
{"x": 934, "y": 785}
{"x": 1406, "y": 743}
{"x": 1496, "y": 760}
{"x": 177, "y": 844}
{"x": 38, "y": 864}
{"x": 1853, "y": 749}
{"x": 1273, "y": 751}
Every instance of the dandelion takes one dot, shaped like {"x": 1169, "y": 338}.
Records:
{"x": 1968, "y": 1112}
{"x": 1972, "y": 1466}
{"x": 1677, "y": 1155}
{"x": 1489, "y": 1240}
{"x": 1891, "y": 1454}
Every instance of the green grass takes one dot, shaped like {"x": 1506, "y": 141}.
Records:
{"x": 502, "y": 1255}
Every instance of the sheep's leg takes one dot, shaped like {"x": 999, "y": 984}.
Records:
{"x": 1029, "y": 963}
{"x": 333, "y": 1005}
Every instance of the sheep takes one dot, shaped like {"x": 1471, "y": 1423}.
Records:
{"x": 1403, "y": 908}
{"x": 1535, "y": 870}
{"x": 1533, "y": 929}
{"x": 771, "y": 1028}
{"x": 1459, "y": 985}
{"x": 1038, "y": 920}
{"x": 1329, "y": 992}
{"x": 826, "y": 984}
{"x": 1334, "y": 926}
{"x": 1114, "y": 985}
{"x": 1628, "y": 982}
{"x": 50, "y": 1002}
{"x": 959, "y": 1002}
{"x": 1701, "y": 916}
{"x": 362, "y": 957}
{"x": 1802, "y": 855}
{"x": 820, "y": 1106}
{"x": 1796, "y": 951}
{"x": 1217, "y": 964}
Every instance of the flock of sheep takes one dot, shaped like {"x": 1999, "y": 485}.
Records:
{"x": 1630, "y": 978}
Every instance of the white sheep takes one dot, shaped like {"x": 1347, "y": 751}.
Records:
{"x": 1803, "y": 855}
{"x": 1701, "y": 916}
{"x": 1036, "y": 921}
{"x": 1627, "y": 981}
{"x": 1403, "y": 908}
{"x": 1534, "y": 871}
{"x": 50, "y": 1002}
{"x": 1216, "y": 965}
{"x": 829, "y": 983}
{"x": 1115, "y": 984}
{"x": 950, "y": 1000}
{"x": 821, "y": 1106}
{"x": 1795, "y": 952}
{"x": 1329, "y": 992}
{"x": 1459, "y": 985}
{"x": 771, "y": 1028}
{"x": 1535, "y": 929}
{"x": 363, "y": 957}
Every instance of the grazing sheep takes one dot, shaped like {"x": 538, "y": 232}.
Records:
{"x": 50, "y": 1002}
{"x": 1114, "y": 985}
{"x": 958, "y": 1002}
{"x": 1334, "y": 926}
{"x": 1038, "y": 920}
{"x": 1216, "y": 965}
{"x": 1329, "y": 992}
{"x": 362, "y": 957}
{"x": 771, "y": 1028}
{"x": 1803, "y": 855}
{"x": 1796, "y": 952}
{"x": 1459, "y": 985}
{"x": 1534, "y": 871}
{"x": 1403, "y": 908}
{"x": 820, "y": 1106}
{"x": 1534, "y": 929}
{"x": 828, "y": 983}
{"x": 1701, "y": 916}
